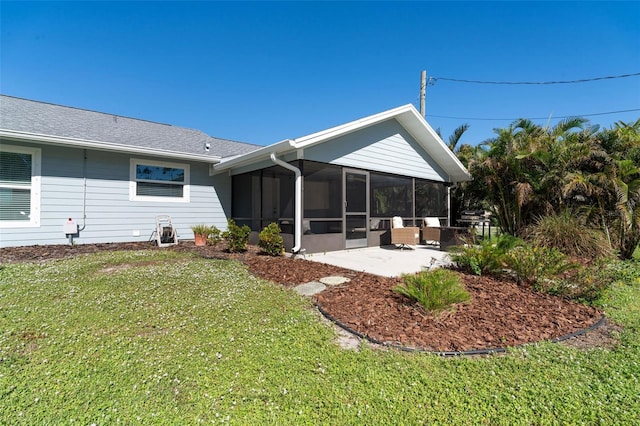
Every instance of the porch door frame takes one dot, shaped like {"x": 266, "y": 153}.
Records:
{"x": 355, "y": 217}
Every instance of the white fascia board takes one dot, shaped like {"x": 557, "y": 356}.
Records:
{"x": 343, "y": 129}
{"x": 104, "y": 146}
{"x": 254, "y": 156}
{"x": 416, "y": 125}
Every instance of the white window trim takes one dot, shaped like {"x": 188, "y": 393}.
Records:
{"x": 133, "y": 182}
{"x": 36, "y": 180}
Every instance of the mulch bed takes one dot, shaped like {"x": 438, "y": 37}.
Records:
{"x": 500, "y": 313}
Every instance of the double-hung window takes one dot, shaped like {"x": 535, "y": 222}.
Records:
{"x": 19, "y": 186}
{"x": 159, "y": 181}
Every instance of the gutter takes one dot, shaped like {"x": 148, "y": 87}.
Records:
{"x": 253, "y": 156}
{"x": 104, "y": 146}
{"x": 298, "y": 207}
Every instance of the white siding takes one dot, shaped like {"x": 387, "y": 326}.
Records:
{"x": 110, "y": 215}
{"x": 384, "y": 147}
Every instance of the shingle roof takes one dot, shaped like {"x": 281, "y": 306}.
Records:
{"x": 22, "y": 115}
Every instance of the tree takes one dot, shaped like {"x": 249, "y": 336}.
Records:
{"x": 455, "y": 137}
{"x": 625, "y": 144}
{"x": 523, "y": 168}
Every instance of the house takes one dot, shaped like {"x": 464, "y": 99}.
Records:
{"x": 112, "y": 175}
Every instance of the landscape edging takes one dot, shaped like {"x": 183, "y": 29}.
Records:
{"x": 487, "y": 351}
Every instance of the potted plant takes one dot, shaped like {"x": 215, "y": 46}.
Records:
{"x": 201, "y": 234}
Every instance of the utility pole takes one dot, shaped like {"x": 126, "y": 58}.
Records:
{"x": 423, "y": 92}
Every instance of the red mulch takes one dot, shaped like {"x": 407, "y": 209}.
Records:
{"x": 500, "y": 313}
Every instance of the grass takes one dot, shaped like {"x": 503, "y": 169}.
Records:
{"x": 167, "y": 338}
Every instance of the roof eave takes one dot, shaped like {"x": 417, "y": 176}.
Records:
{"x": 104, "y": 146}
{"x": 254, "y": 156}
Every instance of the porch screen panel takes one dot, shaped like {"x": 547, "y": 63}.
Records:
{"x": 391, "y": 196}
{"x": 278, "y": 185}
{"x": 246, "y": 200}
{"x": 322, "y": 198}
{"x": 431, "y": 199}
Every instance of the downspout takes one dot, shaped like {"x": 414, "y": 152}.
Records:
{"x": 297, "y": 218}
{"x": 84, "y": 192}
{"x": 449, "y": 212}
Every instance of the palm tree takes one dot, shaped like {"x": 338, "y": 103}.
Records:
{"x": 628, "y": 207}
{"x": 524, "y": 169}
{"x": 455, "y": 137}
{"x": 626, "y": 142}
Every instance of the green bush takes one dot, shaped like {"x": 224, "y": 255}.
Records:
{"x": 435, "y": 290}
{"x": 589, "y": 284}
{"x": 537, "y": 266}
{"x": 215, "y": 236}
{"x": 271, "y": 241}
{"x": 585, "y": 286}
{"x": 236, "y": 237}
{"x": 487, "y": 257}
{"x": 566, "y": 233}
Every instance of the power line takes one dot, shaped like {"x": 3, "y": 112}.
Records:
{"x": 534, "y": 118}
{"x": 433, "y": 80}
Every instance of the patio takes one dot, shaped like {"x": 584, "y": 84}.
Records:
{"x": 387, "y": 261}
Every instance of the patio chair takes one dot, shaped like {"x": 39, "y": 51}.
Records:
{"x": 403, "y": 236}
{"x": 431, "y": 230}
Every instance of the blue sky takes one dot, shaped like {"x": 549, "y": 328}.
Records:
{"x": 266, "y": 71}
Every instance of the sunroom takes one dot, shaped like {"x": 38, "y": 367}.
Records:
{"x": 340, "y": 188}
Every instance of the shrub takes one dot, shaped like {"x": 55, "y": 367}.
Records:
{"x": 585, "y": 286}
{"x": 589, "y": 284}
{"x": 271, "y": 241}
{"x": 435, "y": 290}
{"x": 215, "y": 236}
{"x": 486, "y": 257}
{"x": 537, "y": 266}
{"x": 236, "y": 237}
{"x": 566, "y": 233}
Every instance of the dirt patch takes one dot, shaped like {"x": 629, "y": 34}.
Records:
{"x": 500, "y": 313}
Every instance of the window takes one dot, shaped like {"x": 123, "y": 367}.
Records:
{"x": 159, "y": 181}
{"x": 19, "y": 186}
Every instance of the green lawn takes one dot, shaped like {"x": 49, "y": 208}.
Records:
{"x": 168, "y": 338}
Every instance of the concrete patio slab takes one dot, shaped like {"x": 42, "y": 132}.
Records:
{"x": 387, "y": 261}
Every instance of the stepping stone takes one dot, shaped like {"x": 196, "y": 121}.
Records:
{"x": 310, "y": 288}
{"x": 336, "y": 280}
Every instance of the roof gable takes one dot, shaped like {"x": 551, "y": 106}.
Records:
{"x": 407, "y": 116}
{"x": 382, "y": 147}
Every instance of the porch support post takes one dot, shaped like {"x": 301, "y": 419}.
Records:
{"x": 297, "y": 220}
